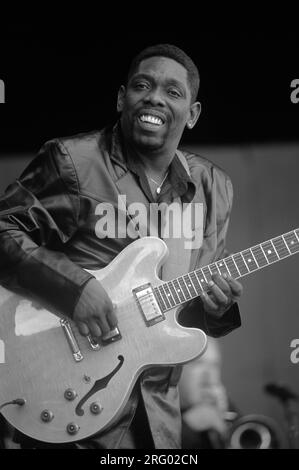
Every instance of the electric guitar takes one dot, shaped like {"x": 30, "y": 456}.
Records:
{"x": 58, "y": 386}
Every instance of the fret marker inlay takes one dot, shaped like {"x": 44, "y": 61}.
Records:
{"x": 191, "y": 285}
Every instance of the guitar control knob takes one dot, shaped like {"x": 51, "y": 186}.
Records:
{"x": 46, "y": 416}
{"x": 96, "y": 408}
{"x": 72, "y": 428}
{"x": 70, "y": 394}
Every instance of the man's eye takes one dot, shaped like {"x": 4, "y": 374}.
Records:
{"x": 141, "y": 85}
{"x": 174, "y": 92}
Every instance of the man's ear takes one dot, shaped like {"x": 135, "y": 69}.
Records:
{"x": 120, "y": 98}
{"x": 195, "y": 110}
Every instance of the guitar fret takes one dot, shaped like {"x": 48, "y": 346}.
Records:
{"x": 240, "y": 263}
{"x": 193, "y": 280}
{"x": 165, "y": 297}
{"x": 217, "y": 266}
{"x": 235, "y": 273}
{"x": 269, "y": 252}
{"x": 213, "y": 268}
{"x": 196, "y": 284}
{"x": 292, "y": 242}
{"x": 169, "y": 295}
{"x": 295, "y": 231}
{"x": 202, "y": 279}
{"x": 206, "y": 273}
{"x": 250, "y": 261}
{"x": 271, "y": 241}
{"x": 251, "y": 251}
{"x": 203, "y": 274}
{"x": 222, "y": 268}
{"x": 184, "y": 288}
{"x": 259, "y": 256}
{"x": 179, "y": 290}
{"x": 174, "y": 293}
{"x": 160, "y": 299}
{"x": 190, "y": 285}
{"x": 230, "y": 274}
{"x": 241, "y": 253}
{"x": 187, "y": 284}
{"x": 209, "y": 268}
{"x": 281, "y": 248}
{"x": 284, "y": 243}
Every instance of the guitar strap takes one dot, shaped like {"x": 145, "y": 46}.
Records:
{"x": 174, "y": 219}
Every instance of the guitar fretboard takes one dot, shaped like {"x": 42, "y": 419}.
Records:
{"x": 173, "y": 293}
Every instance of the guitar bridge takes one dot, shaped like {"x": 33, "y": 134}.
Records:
{"x": 148, "y": 304}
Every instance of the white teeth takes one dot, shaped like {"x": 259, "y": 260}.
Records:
{"x": 151, "y": 119}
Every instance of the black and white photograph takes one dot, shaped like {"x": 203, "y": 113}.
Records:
{"x": 149, "y": 228}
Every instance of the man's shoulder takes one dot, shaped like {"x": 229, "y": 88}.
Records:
{"x": 203, "y": 167}
{"x": 85, "y": 144}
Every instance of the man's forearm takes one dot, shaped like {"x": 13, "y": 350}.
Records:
{"x": 45, "y": 274}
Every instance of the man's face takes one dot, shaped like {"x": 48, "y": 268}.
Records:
{"x": 156, "y": 105}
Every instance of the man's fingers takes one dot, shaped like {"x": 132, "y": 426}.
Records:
{"x": 83, "y": 328}
{"x": 94, "y": 329}
{"x": 112, "y": 318}
{"x": 220, "y": 297}
{"x": 208, "y": 302}
{"x": 108, "y": 320}
{"x": 236, "y": 287}
{"x": 230, "y": 287}
{"x": 222, "y": 283}
{"x": 223, "y": 292}
{"x": 102, "y": 322}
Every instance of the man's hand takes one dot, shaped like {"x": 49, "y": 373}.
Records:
{"x": 94, "y": 313}
{"x": 223, "y": 292}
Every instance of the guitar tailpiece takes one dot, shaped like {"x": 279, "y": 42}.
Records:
{"x": 17, "y": 401}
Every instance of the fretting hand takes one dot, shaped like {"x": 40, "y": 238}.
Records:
{"x": 223, "y": 292}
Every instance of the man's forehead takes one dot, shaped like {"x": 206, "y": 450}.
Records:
{"x": 164, "y": 66}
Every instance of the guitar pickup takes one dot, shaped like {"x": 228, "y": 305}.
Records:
{"x": 111, "y": 337}
{"x": 148, "y": 304}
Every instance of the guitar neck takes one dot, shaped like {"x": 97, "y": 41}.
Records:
{"x": 173, "y": 293}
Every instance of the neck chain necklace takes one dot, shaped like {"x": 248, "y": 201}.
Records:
{"x": 158, "y": 189}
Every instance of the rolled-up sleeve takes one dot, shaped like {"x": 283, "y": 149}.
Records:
{"x": 38, "y": 216}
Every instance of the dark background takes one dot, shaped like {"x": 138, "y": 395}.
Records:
{"x": 60, "y": 82}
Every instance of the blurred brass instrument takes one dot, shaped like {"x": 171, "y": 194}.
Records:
{"x": 261, "y": 432}
{"x": 254, "y": 432}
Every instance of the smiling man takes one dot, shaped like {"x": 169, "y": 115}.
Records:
{"x": 48, "y": 222}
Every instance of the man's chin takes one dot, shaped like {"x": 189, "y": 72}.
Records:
{"x": 149, "y": 144}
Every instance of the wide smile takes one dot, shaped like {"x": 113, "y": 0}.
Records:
{"x": 150, "y": 121}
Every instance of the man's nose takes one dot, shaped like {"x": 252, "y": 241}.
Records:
{"x": 154, "y": 97}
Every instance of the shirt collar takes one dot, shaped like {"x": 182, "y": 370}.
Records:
{"x": 178, "y": 183}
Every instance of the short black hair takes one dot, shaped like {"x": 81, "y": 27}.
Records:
{"x": 175, "y": 53}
